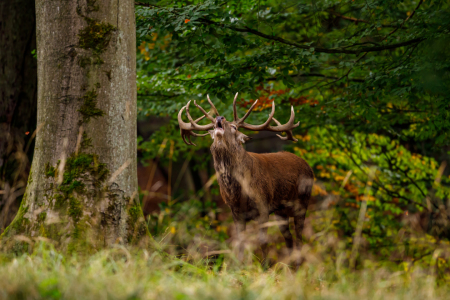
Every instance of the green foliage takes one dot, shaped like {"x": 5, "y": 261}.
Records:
{"x": 353, "y": 73}
{"x": 183, "y": 221}
{"x": 369, "y": 81}
{"x": 403, "y": 184}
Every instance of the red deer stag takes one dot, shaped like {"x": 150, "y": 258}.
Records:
{"x": 255, "y": 185}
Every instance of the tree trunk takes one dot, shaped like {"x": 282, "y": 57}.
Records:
{"x": 82, "y": 190}
{"x": 18, "y": 88}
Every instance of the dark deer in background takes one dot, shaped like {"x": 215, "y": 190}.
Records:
{"x": 255, "y": 185}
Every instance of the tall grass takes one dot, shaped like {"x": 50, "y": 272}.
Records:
{"x": 202, "y": 265}
{"x": 125, "y": 273}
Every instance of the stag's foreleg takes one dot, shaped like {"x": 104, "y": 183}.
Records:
{"x": 239, "y": 222}
{"x": 299, "y": 222}
{"x": 263, "y": 218}
{"x": 284, "y": 228}
{"x": 304, "y": 185}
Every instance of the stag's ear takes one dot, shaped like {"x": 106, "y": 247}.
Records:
{"x": 211, "y": 132}
{"x": 242, "y": 137}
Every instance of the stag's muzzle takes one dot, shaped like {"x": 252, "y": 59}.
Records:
{"x": 218, "y": 129}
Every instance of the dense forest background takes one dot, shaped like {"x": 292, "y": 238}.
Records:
{"x": 370, "y": 84}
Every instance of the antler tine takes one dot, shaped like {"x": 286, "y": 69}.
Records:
{"x": 248, "y": 112}
{"x": 279, "y": 128}
{"x": 181, "y": 123}
{"x": 188, "y": 133}
{"x": 263, "y": 126}
{"x": 184, "y": 125}
{"x": 204, "y": 112}
{"x": 286, "y": 127}
{"x": 289, "y": 135}
{"x": 186, "y": 129}
{"x": 214, "y": 109}
{"x": 235, "y": 116}
{"x": 194, "y": 125}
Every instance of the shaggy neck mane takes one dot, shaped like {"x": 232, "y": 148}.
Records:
{"x": 227, "y": 156}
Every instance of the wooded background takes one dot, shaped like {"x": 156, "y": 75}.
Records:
{"x": 369, "y": 82}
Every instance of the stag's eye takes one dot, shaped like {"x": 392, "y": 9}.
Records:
{"x": 234, "y": 127}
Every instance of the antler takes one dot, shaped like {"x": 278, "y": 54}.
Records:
{"x": 265, "y": 126}
{"x": 186, "y": 129}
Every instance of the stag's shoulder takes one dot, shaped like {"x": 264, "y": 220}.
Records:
{"x": 285, "y": 161}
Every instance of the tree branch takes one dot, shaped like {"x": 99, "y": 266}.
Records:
{"x": 404, "y": 21}
{"x": 316, "y": 49}
{"x": 145, "y": 4}
{"x": 300, "y": 46}
{"x": 317, "y": 75}
{"x": 349, "y": 18}
{"x": 356, "y": 20}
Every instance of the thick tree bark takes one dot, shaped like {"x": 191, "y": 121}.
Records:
{"x": 18, "y": 104}
{"x": 82, "y": 190}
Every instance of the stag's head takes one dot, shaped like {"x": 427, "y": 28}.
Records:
{"x": 226, "y": 133}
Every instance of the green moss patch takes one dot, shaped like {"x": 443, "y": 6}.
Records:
{"x": 89, "y": 109}
{"x": 50, "y": 171}
{"x": 60, "y": 200}
{"x": 92, "y": 5}
{"x": 84, "y": 61}
{"x": 19, "y": 223}
{"x": 95, "y": 36}
{"x": 75, "y": 209}
{"x": 86, "y": 141}
{"x": 137, "y": 228}
{"x": 79, "y": 165}
{"x": 42, "y": 216}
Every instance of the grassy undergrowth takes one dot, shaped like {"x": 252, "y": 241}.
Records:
{"x": 202, "y": 264}
{"x": 121, "y": 273}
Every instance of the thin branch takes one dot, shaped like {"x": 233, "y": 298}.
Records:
{"x": 317, "y": 75}
{"x": 357, "y": 20}
{"x": 146, "y": 4}
{"x": 349, "y": 18}
{"x": 336, "y": 80}
{"x": 404, "y": 21}
{"x": 316, "y": 49}
{"x": 159, "y": 95}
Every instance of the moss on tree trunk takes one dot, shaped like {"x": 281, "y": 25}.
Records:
{"x": 82, "y": 192}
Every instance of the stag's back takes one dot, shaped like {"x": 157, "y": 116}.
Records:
{"x": 284, "y": 175}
